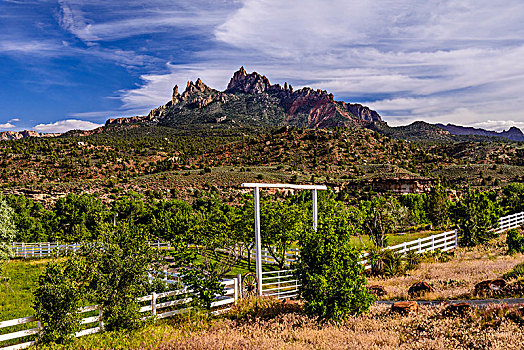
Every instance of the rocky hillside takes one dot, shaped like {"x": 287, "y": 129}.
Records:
{"x": 251, "y": 100}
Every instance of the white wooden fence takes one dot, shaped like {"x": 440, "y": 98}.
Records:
{"x": 283, "y": 284}
{"x": 157, "y": 307}
{"x": 46, "y": 249}
{"x": 510, "y": 221}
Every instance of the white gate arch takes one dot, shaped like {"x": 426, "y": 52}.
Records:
{"x": 257, "y": 187}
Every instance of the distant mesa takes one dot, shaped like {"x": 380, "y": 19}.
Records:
{"x": 17, "y": 135}
{"x": 251, "y": 100}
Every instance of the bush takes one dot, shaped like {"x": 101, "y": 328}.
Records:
{"x": 57, "y": 300}
{"x": 331, "y": 277}
{"x": 515, "y": 242}
{"x": 516, "y": 273}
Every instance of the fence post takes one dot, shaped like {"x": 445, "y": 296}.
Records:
{"x": 100, "y": 315}
{"x": 153, "y": 304}
{"x": 419, "y": 249}
{"x": 404, "y": 249}
{"x": 239, "y": 284}
{"x": 456, "y": 238}
{"x": 40, "y": 248}
{"x": 165, "y": 275}
{"x": 278, "y": 285}
{"x": 235, "y": 295}
{"x": 432, "y": 243}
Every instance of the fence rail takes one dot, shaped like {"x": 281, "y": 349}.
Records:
{"x": 156, "y": 306}
{"x": 283, "y": 284}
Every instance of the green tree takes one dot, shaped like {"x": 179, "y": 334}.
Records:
{"x": 282, "y": 223}
{"x": 243, "y": 225}
{"x": 213, "y": 231}
{"x": 438, "y": 205}
{"x": 30, "y": 219}
{"x": 475, "y": 215}
{"x": 331, "y": 277}
{"x": 512, "y": 198}
{"x": 382, "y": 216}
{"x": 173, "y": 220}
{"x": 78, "y": 218}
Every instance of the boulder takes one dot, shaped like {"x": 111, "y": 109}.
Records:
{"x": 377, "y": 290}
{"x": 404, "y": 307}
{"x": 419, "y": 289}
{"x": 490, "y": 287}
{"x": 459, "y": 309}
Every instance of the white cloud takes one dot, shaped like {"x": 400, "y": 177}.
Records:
{"x": 439, "y": 61}
{"x": 6, "y": 126}
{"x": 14, "y": 120}
{"x": 66, "y": 125}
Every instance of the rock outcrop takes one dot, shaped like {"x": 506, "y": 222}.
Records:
{"x": 17, "y": 135}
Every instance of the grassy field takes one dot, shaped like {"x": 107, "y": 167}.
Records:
{"x": 455, "y": 278}
{"x": 270, "y": 324}
{"x": 16, "y": 294}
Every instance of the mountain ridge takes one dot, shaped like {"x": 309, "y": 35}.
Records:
{"x": 251, "y": 100}
{"x": 513, "y": 133}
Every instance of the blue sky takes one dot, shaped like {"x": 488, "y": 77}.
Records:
{"x": 73, "y": 63}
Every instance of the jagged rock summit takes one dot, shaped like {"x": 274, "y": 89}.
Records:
{"x": 251, "y": 100}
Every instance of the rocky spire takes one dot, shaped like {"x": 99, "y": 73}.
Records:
{"x": 252, "y": 83}
{"x": 176, "y": 96}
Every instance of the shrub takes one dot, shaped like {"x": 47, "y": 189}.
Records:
{"x": 412, "y": 260}
{"x": 331, "y": 277}
{"x": 515, "y": 242}
{"x": 516, "y": 273}
{"x": 57, "y": 300}
{"x": 204, "y": 283}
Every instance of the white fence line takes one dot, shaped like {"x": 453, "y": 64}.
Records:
{"x": 283, "y": 284}
{"x": 155, "y": 308}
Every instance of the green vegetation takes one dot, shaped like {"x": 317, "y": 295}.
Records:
{"x": 516, "y": 273}
{"x": 514, "y": 241}
{"x": 475, "y": 215}
{"x": 7, "y": 235}
{"x": 331, "y": 277}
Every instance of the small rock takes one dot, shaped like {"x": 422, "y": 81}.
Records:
{"x": 420, "y": 288}
{"x": 405, "y": 307}
{"x": 459, "y": 309}
{"x": 377, "y": 290}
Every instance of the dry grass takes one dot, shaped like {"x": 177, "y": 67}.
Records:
{"x": 457, "y": 277}
{"x": 377, "y": 330}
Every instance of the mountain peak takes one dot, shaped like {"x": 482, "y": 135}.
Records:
{"x": 252, "y": 83}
